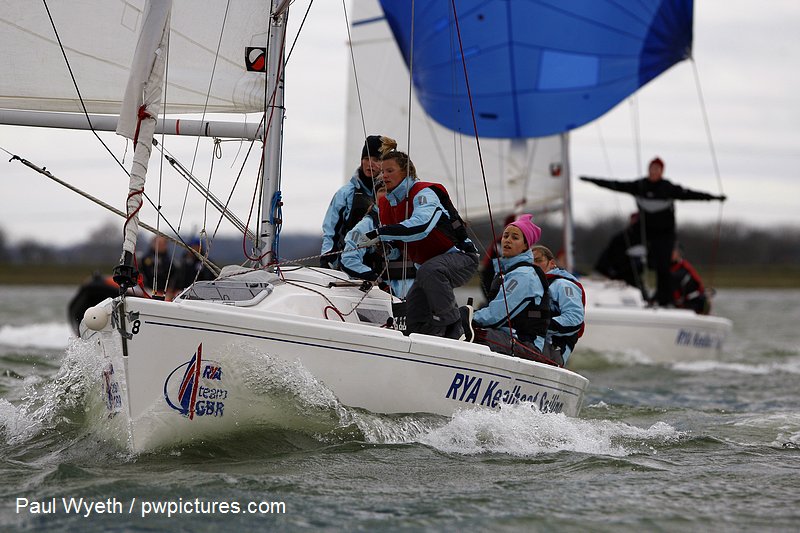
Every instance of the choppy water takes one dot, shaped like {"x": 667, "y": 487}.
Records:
{"x": 707, "y": 445}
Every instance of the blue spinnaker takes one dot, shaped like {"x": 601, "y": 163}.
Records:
{"x": 536, "y": 67}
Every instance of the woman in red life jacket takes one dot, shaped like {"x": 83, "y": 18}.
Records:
{"x": 422, "y": 217}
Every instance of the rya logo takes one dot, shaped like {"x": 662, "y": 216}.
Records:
{"x": 193, "y": 388}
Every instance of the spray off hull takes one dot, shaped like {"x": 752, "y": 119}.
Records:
{"x": 195, "y": 369}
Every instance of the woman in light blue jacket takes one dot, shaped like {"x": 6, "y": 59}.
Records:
{"x": 352, "y": 201}
{"x": 515, "y": 320}
{"x": 368, "y": 262}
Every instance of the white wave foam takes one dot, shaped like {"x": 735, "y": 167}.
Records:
{"x": 787, "y": 366}
{"x": 45, "y": 400}
{"x": 522, "y": 430}
{"x": 519, "y": 430}
{"x": 51, "y": 336}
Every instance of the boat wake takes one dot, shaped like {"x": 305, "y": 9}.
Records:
{"x": 50, "y": 336}
{"x": 56, "y": 405}
{"x": 297, "y": 411}
{"x": 785, "y": 366}
{"x": 522, "y": 430}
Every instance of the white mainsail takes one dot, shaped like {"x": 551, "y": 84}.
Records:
{"x": 71, "y": 58}
{"x": 519, "y": 172}
{"x": 99, "y": 38}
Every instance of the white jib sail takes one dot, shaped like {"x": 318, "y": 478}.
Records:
{"x": 141, "y": 106}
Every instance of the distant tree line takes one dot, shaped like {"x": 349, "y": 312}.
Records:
{"x": 729, "y": 244}
{"x": 734, "y": 245}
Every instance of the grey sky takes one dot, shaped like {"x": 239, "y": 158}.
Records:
{"x": 747, "y": 55}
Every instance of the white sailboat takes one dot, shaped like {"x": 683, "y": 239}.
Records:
{"x": 528, "y": 174}
{"x": 178, "y": 371}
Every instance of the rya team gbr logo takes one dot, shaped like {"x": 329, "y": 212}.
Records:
{"x": 196, "y": 388}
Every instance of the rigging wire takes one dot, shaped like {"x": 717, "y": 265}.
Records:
{"x": 203, "y": 232}
{"x": 159, "y": 215}
{"x": 43, "y": 171}
{"x": 364, "y": 134}
{"x": 706, "y": 123}
{"x": 355, "y": 71}
{"x": 165, "y": 99}
{"x": 77, "y": 89}
{"x": 636, "y": 128}
{"x": 480, "y": 159}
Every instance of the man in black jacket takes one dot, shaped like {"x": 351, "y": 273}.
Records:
{"x": 655, "y": 198}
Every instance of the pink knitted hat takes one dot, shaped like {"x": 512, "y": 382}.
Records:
{"x": 529, "y": 230}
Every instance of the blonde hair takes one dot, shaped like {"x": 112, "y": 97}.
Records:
{"x": 403, "y": 161}
{"x": 387, "y": 145}
{"x": 544, "y": 250}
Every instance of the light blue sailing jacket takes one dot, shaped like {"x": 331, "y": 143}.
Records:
{"x": 339, "y": 212}
{"x": 567, "y": 308}
{"x": 428, "y": 210}
{"x": 353, "y": 257}
{"x": 520, "y": 284}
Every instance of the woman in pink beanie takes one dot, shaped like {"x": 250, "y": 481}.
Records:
{"x": 529, "y": 230}
{"x": 518, "y": 295}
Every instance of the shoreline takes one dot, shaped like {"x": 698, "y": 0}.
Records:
{"x": 739, "y": 277}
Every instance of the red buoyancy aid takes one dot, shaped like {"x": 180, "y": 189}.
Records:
{"x": 684, "y": 290}
{"x": 437, "y": 242}
{"x": 553, "y": 277}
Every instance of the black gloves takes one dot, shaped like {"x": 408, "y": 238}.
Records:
{"x": 326, "y": 261}
{"x": 382, "y": 285}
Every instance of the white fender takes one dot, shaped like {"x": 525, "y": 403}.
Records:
{"x": 96, "y": 318}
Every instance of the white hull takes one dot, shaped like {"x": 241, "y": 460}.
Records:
{"x": 617, "y": 320}
{"x": 164, "y": 398}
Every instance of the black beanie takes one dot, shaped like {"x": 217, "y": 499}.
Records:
{"x": 372, "y": 147}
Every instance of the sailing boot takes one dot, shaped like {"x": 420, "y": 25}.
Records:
{"x": 455, "y": 331}
{"x": 466, "y": 312}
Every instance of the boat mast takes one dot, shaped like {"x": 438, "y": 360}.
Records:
{"x": 273, "y": 143}
{"x": 569, "y": 236}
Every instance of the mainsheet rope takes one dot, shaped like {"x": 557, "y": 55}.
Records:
{"x": 364, "y": 134}
{"x": 483, "y": 170}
